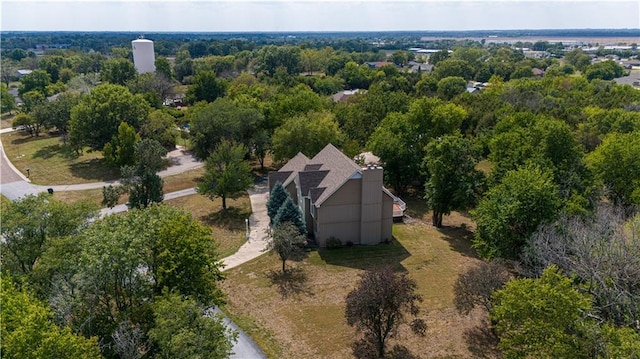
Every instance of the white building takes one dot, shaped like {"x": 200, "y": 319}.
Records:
{"x": 143, "y": 56}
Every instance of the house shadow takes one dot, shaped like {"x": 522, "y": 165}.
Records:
{"x": 367, "y": 257}
{"x": 459, "y": 239}
{"x": 481, "y": 341}
{"x": 293, "y": 282}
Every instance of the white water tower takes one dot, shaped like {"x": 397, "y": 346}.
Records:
{"x": 143, "y": 57}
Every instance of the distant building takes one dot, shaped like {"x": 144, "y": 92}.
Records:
{"x": 143, "y": 56}
{"x": 379, "y": 64}
{"x": 343, "y": 96}
{"x": 23, "y": 72}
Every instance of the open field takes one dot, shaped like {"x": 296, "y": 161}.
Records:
{"x": 51, "y": 162}
{"x": 6, "y": 120}
{"x": 301, "y": 314}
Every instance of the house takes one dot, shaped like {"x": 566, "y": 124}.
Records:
{"x": 23, "y": 72}
{"x": 338, "y": 198}
{"x": 379, "y": 64}
{"x": 343, "y": 96}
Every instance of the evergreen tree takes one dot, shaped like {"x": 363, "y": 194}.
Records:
{"x": 277, "y": 197}
{"x": 289, "y": 212}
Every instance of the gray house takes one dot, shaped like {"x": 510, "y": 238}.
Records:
{"x": 338, "y": 198}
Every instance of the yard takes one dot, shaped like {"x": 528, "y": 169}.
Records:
{"x": 52, "y": 163}
{"x": 301, "y": 314}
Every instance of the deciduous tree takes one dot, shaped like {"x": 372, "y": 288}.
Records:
{"x": 379, "y": 305}
{"x": 308, "y": 134}
{"x": 545, "y": 317}
{"x": 117, "y": 71}
{"x": 453, "y": 182}
{"x": 183, "y": 329}
{"x": 512, "y": 210}
{"x": 205, "y": 86}
{"x": 227, "y": 174}
{"x": 95, "y": 120}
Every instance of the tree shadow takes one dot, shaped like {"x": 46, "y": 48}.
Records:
{"x": 293, "y": 282}
{"x": 459, "y": 239}
{"x": 95, "y": 169}
{"x": 55, "y": 150}
{"x": 482, "y": 341}
{"x": 232, "y": 218}
{"x": 367, "y": 257}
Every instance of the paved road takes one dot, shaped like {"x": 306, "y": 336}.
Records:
{"x": 15, "y": 185}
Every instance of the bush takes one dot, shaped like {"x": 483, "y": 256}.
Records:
{"x": 333, "y": 242}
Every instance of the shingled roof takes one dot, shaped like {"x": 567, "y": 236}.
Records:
{"x": 320, "y": 176}
{"x": 339, "y": 169}
{"x": 295, "y": 165}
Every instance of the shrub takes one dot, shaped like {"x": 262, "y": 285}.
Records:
{"x": 333, "y": 242}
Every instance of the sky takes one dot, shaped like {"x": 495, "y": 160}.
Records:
{"x": 314, "y": 15}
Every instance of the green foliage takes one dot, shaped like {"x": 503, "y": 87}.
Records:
{"x": 184, "y": 330}
{"x": 605, "y": 70}
{"x": 451, "y": 86}
{"x": 27, "y": 123}
{"x": 95, "y": 120}
{"x": 227, "y": 174}
{"x": 286, "y": 242}
{"x": 512, "y": 210}
{"x": 333, "y": 243}
{"x": 146, "y": 190}
{"x": 400, "y": 139}
{"x": 163, "y": 66}
{"x": 364, "y": 112}
{"x": 57, "y": 114}
{"x": 142, "y": 180}
{"x": 160, "y": 126}
{"x": 205, "y": 86}
{"x": 379, "y": 305}
{"x": 110, "y": 195}
{"x": 277, "y": 197}
{"x": 438, "y": 56}
{"x": 121, "y": 150}
{"x": 272, "y": 57}
{"x": 542, "y": 317}
{"x": 7, "y": 101}
{"x": 117, "y": 71}
{"x": 28, "y": 224}
{"x": 222, "y": 120}
{"x": 308, "y": 134}
{"x": 290, "y": 213}
{"x": 453, "y": 182}
{"x": 617, "y": 165}
{"x": 28, "y": 331}
{"x": 37, "y": 80}
{"x": 124, "y": 260}
{"x": 453, "y": 67}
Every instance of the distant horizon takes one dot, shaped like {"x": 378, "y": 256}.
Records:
{"x": 327, "y": 31}
{"x": 251, "y": 16}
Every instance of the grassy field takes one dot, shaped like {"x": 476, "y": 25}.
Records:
{"x": 6, "y": 120}
{"x": 228, "y": 225}
{"x": 51, "y": 162}
{"x": 301, "y": 314}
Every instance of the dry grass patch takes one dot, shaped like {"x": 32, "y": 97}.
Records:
{"x": 51, "y": 162}
{"x": 188, "y": 179}
{"x": 228, "y": 225}
{"x": 307, "y": 319}
{"x": 6, "y": 120}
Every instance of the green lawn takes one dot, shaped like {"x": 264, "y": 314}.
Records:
{"x": 301, "y": 314}
{"x": 51, "y": 162}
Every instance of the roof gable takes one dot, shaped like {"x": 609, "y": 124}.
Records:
{"x": 340, "y": 168}
{"x": 295, "y": 165}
